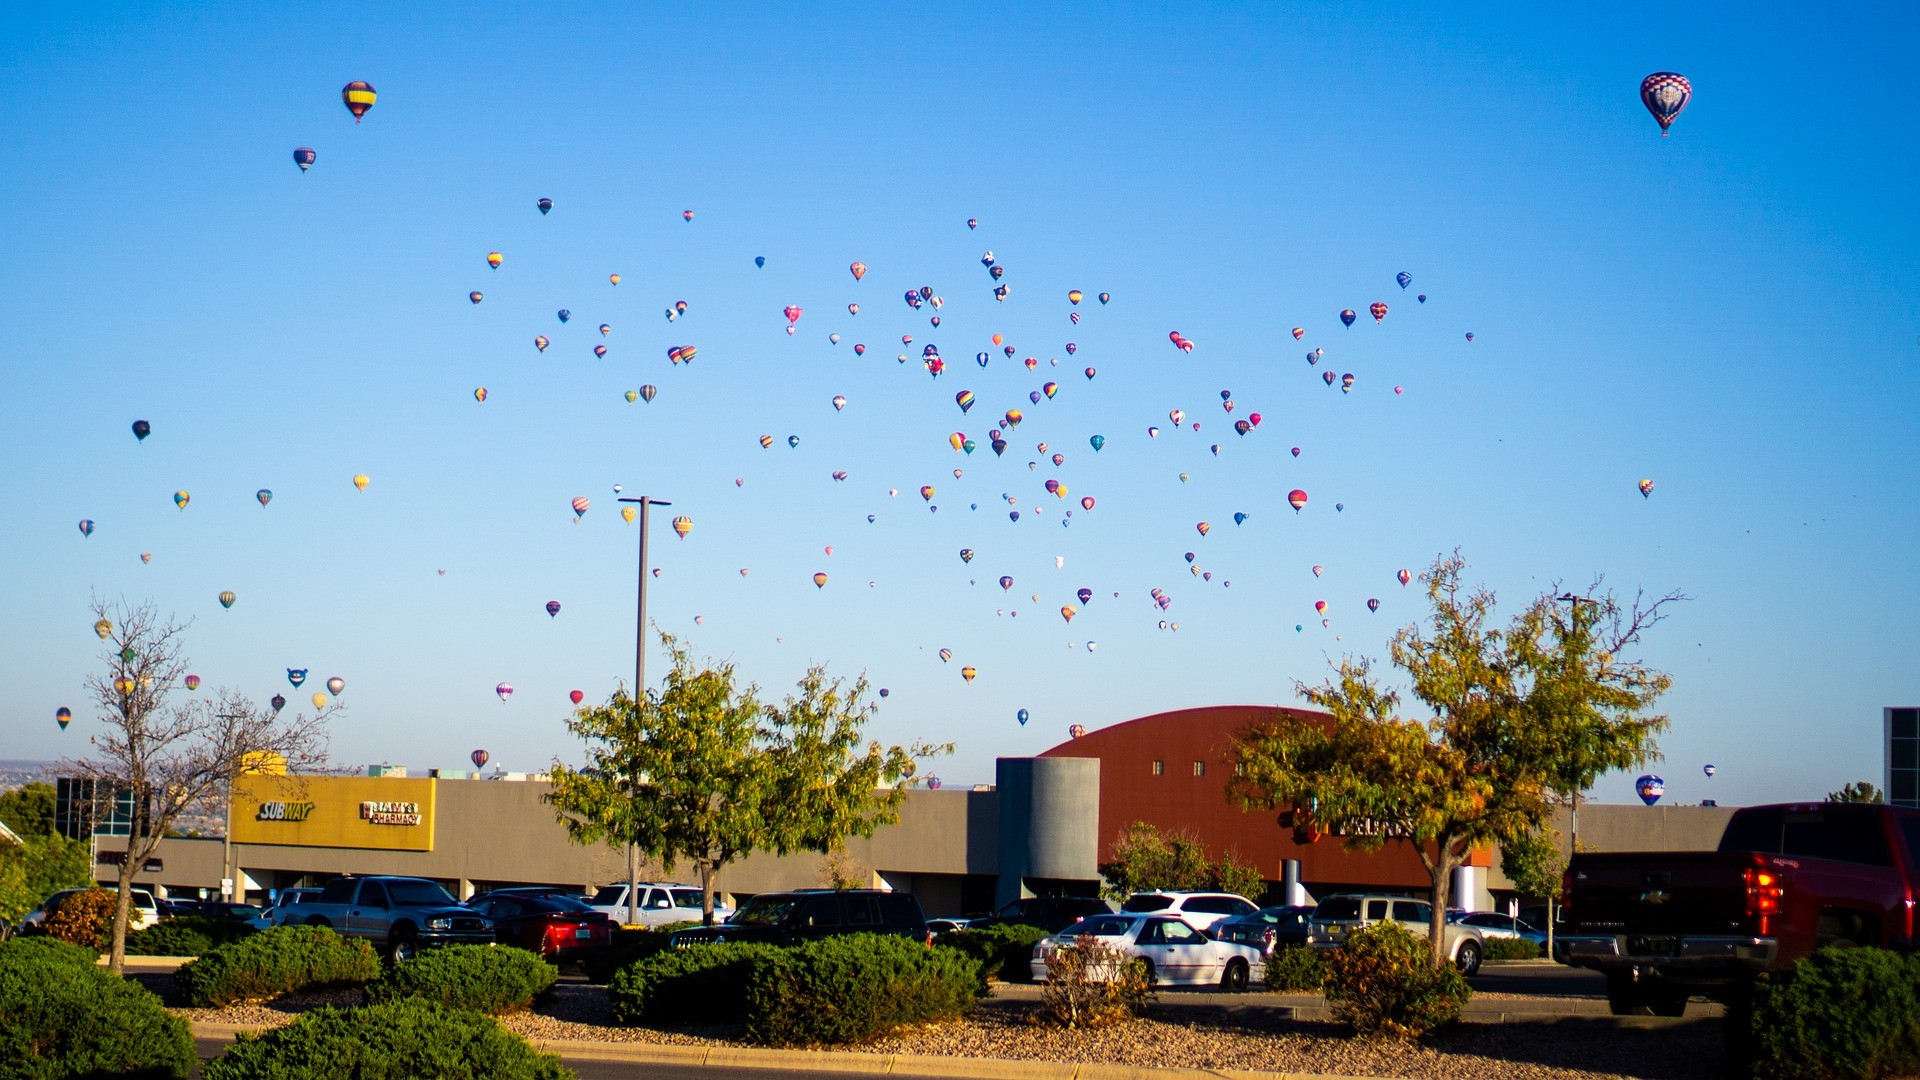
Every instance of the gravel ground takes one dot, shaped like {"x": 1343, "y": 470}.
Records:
{"x": 1564, "y": 1048}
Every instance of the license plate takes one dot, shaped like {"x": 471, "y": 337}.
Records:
{"x": 582, "y": 933}
{"x": 1651, "y": 946}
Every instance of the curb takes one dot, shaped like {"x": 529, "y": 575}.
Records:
{"x": 841, "y": 1061}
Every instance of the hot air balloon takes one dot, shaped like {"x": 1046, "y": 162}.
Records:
{"x": 946, "y": 655}
{"x": 628, "y": 513}
{"x": 1006, "y": 582}
{"x": 1202, "y": 528}
{"x": 820, "y": 580}
{"x": 858, "y": 270}
{"x": 1320, "y": 606}
{"x": 193, "y": 682}
{"x": 553, "y": 608}
{"x": 1709, "y": 770}
{"x": 181, "y": 499}
{"x": 142, "y": 429}
{"x": 580, "y": 504}
{"x": 793, "y": 314}
{"x": 576, "y": 696}
{"x": 544, "y": 205}
{"x": 1404, "y": 576}
{"x": 1021, "y": 716}
{"x": 358, "y": 98}
{"x": 265, "y": 495}
{"x": 540, "y": 342}
{"x": 1076, "y": 730}
{"x": 494, "y": 259}
{"x": 1373, "y": 604}
{"x": 475, "y": 296}
{"x": 63, "y": 716}
{"x": 1665, "y": 94}
{"x": 1086, "y": 503}
{"x": 648, "y": 392}
{"x": 1073, "y": 296}
{"x": 926, "y": 492}
{"x": 1068, "y": 611}
{"x": 1646, "y": 489}
{"x": 682, "y": 525}
{"x": 227, "y": 598}
{"x": 480, "y": 758}
{"x": 319, "y": 700}
{"x": 968, "y": 673}
{"x": 1379, "y": 311}
{"x": 1346, "y": 382}
{"x": 839, "y": 402}
{"x": 277, "y": 702}
{"x": 335, "y": 685}
{"x": 1296, "y": 499}
{"x": 1650, "y": 787}
{"x": 686, "y": 215}
{"x": 86, "y": 526}
{"x": 632, "y": 396}
{"x": 564, "y": 314}
{"x": 1347, "y": 317}
{"x": 505, "y": 690}
{"x": 1403, "y": 278}
{"x": 304, "y": 157}
{"x": 296, "y": 676}
{"x": 1469, "y": 336}
{"x": 605, "y": 329}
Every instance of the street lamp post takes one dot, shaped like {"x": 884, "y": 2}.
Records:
{"x": 1574, "y": 603}
{"x": 639, "y": 686}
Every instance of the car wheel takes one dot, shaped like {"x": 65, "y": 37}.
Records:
{"x": 1235, "y": 979}
{"x": 402, "y": 946}
{"x": 1468, "y": 958}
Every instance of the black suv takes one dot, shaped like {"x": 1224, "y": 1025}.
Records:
{"x": 1050, "y": 913}
{"x": 789, "y": 918}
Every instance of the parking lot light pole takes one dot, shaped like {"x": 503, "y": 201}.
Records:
{"x": 639, "y": 686}
{"x": 1574, "y": 603}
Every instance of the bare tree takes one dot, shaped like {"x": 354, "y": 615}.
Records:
{"x": 174, "y": 758}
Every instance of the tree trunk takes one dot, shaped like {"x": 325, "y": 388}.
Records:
{"x": 708, "y": 872}
{"x": 1440, "y": 869}
{"x": 122, "y": 910}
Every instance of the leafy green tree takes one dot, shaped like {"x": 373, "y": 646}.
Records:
{"x": 1144, "y": 859}
{"x": 706, "y": 773}
{"x": 1536, "y": 865}
{"x": 1544, "y": 705}
{"x": 28, "y": 809}
{"x": 174, "y": 757}
{"x": 1857, "y": 792}
{"x": 37, "y": 868}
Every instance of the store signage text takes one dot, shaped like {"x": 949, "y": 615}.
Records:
{"x": 284, "y": 811}
{"x": 390, "y": 813}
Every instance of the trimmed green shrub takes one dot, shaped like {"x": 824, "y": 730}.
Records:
{"x": 630, "y": 943}
{"x": 397, "y": 1040}
{"x": 186, "y": 935}
{"x": 703, "y": 983}
{"x": 62, "y": 1016}
{"x": 275, "y": 961}
{"x": 1381, "y": 980}
{"x": 1508, "y": 948}
{"x": 85, "y": 918}
{"x": 1295, "y": 968}
{"x": 1093, "y": 984}
{"x": 1839, "y": 1013}
{"x": 42, "y": 947}
{"x": 483, "y": 978}
{"x": 1003, "y": 950}
{"x": 855, "y": 987}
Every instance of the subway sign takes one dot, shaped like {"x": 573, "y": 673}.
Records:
{"x": 374, "y": 813}
{"x": 283, "y": 811}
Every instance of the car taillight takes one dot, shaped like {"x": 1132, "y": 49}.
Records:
{"x": 1766, "y": 892}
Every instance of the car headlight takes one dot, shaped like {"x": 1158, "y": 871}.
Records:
{"x": 440, "y": 924}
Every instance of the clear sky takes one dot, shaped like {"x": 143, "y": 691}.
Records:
{"x": 1730, "y": 312}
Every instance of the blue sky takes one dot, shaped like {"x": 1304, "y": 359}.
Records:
{"x": 1729, "y": 312}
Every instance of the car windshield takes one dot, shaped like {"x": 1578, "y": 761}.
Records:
{"x": 404, "y": 893}
{"x": 765, "y": 910}
{"x": 1338, "y": 908}
{"x": 1147, "y": 902}
{"x": 690, "y": 898}
{"x": 1099, "y": 926}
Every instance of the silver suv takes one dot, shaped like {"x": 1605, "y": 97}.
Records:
{"x": 1200, "y": 910}
{"x": 1338, "y": 916}
{"x": 660, "y": 903}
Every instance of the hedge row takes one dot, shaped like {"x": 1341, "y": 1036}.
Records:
{"x": 396, "y": 1040}
{"x": 680, "y": 986}
{"x": 186, "y": 935}
{"x": 1004, "y": 951}
{"x": 1840, "y": 1014}
{"x": 61, "y": 1015}
{"x": 274, "y": 962}
{"x": 478, "y": 977}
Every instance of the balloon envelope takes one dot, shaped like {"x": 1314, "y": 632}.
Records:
{"x": 576, "y": 696}
{"x": 1665, "y": 94}
{"x": 358, "y": 97}
{"x": 505, "y": 690}
{"x": 335, "y": 685}
{"x": 304, "y": 157}
{"x": 1650, "y": 788}
{"x": 480, "y": 758}
{"x": 64, "y": 716}
{"x": 142, "y": 429}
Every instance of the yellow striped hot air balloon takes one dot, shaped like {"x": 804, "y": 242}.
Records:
{"x": 358, "y": 98}
{"x": 683, "y": 525}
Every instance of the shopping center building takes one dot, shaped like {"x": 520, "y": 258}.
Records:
{"x": 1044, "y": 826}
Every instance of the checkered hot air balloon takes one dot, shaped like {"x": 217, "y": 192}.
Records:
{"x": 1665, "y": 94}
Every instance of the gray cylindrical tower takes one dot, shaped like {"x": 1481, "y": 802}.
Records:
{"x": 1049, "y": 821}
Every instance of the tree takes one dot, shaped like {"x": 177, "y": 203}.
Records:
{"x": 1536, "y": 866}
{"x": 1145, "y": 859}
{"x": 179, "y": 757}
{"x": 1857, "y": 792}
{"x": 1545, "y": 704}
{"x": 39, "y": 866}
{"x": 28, "y": 809}
{"x": 704, "y": 772}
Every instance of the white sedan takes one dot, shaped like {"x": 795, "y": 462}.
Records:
{"x": 1176, "y": 954}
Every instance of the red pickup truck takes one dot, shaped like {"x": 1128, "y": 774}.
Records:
{"x": 1785, "y": 881}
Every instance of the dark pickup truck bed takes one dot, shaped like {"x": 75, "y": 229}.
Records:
{"x": 1786, "y": 880}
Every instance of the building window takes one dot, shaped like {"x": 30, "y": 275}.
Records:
{"x": 1199, "y": 768}
{"x": 1159, "y": 768}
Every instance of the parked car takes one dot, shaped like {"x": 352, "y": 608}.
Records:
{"x": 541, "y": 890}
{"x": 287, "y": 898}
{"x": 1785, "y": 880}
{"x": 1049, "y": 913}
{"x": 1176, "y": 953}
{"x": 1492, "y": 924}
{"x": 947, "y": 926}
{"x": 560, "y": 928}
{"x": 1200, "y": 909}
{"x": 396, "y": 915}
{"x": 1267, "y": 929}
{"x": 144, "y": 912}
{"x": 660, "y": 903}
{"x": 788, "y": 918}
{"x": 1338, "y": 916}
